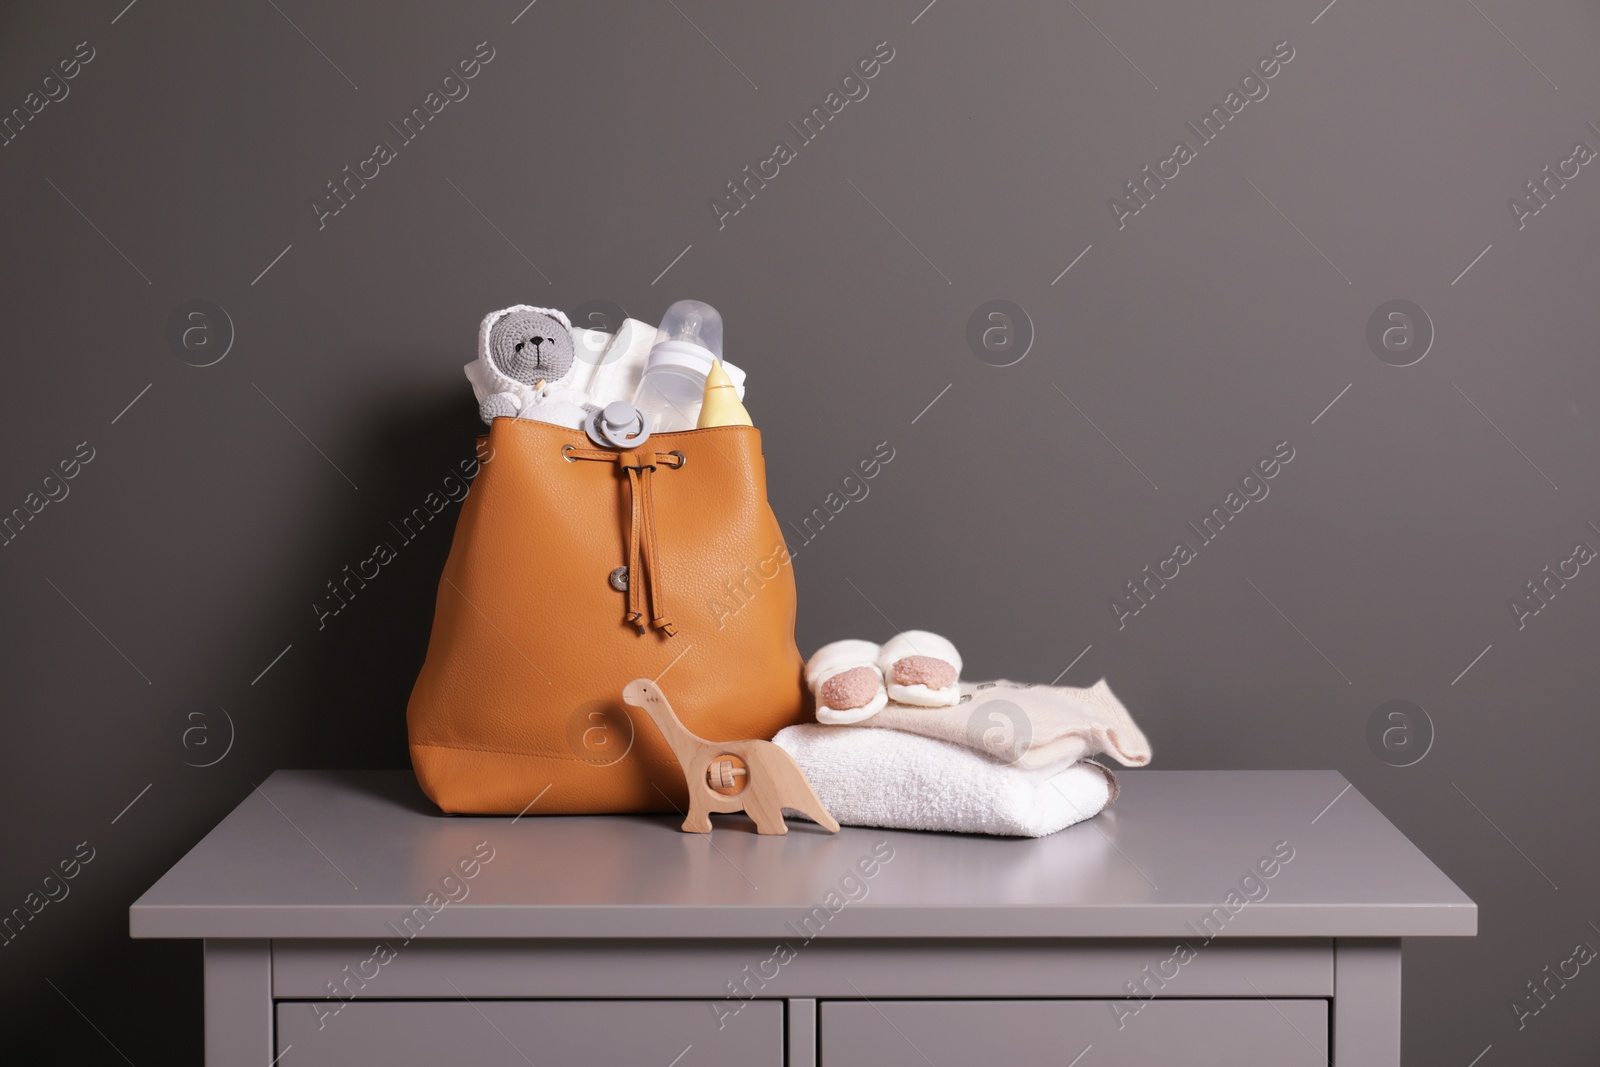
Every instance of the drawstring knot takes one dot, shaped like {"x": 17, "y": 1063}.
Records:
{"x": 641, "y": 530}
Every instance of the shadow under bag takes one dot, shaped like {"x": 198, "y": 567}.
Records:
{"x": 538, "y": 626}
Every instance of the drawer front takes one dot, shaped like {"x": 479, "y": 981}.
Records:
{"x": 1050, "y": 1033}
{"x": 513, "y": 1033}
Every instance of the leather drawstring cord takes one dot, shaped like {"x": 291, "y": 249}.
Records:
{"x": 641, "y": 530}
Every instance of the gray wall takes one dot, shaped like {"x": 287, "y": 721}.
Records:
{"x": 163, "y": 606}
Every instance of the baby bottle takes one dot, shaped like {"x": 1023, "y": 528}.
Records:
{"x": 688, "y": 345}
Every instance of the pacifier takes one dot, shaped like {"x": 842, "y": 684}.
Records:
{"x": 617, "y": 425}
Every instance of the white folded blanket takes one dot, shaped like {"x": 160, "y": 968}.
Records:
{"x": 906, "y": 782}
{"x": 1032, "y": 726}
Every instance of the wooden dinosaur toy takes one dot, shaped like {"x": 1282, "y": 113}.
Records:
{"x": 756, "y": 777}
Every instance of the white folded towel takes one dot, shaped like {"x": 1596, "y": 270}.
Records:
{"x": 906, "y": 782}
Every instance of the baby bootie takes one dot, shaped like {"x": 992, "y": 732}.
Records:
{"x": 846, "y": 682}
{"x": 921, "y": 668}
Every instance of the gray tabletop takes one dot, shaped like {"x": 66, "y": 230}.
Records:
{"x": 334, "y": 854}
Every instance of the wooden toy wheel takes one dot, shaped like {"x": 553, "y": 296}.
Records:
{"x": 728, "y": 775}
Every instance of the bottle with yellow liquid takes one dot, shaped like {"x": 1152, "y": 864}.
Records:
{"x": 720, "y": 406}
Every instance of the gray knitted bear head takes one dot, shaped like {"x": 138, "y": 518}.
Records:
{"x": 530, "y": 346}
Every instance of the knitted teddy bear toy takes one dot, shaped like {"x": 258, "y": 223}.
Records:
{"x": 524, "y": 355}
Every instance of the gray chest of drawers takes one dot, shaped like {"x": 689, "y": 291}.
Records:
{"x": 1210, "y": 917}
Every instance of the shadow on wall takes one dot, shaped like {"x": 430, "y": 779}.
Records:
{"x": 367, "y": 624}
{"x": 337, "y": 700}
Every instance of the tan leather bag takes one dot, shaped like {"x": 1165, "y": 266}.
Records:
{"x": 518, "y": 706}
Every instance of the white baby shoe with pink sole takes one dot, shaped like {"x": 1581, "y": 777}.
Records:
{"x": 921, "y": 668}
{"x": 845, "y": 679}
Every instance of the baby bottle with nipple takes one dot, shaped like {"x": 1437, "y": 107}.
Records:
{"x": 688, "y": 345}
